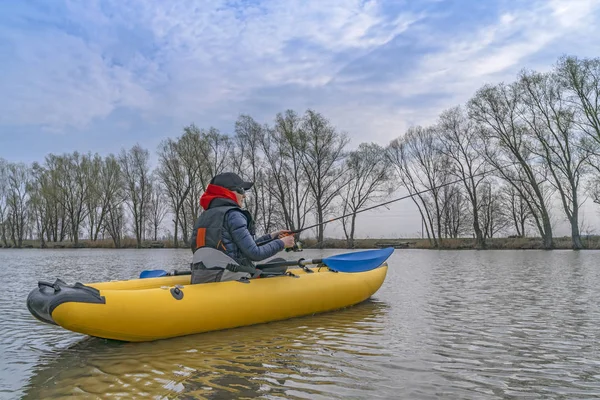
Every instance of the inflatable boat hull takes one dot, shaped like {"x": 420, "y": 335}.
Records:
{"x": 158, "y": 308}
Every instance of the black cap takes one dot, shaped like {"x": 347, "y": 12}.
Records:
{"x": 231, "y": 181}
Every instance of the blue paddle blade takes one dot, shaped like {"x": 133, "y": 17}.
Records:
{"x": 359, "y": 261}
{"x": 155, "y": 273}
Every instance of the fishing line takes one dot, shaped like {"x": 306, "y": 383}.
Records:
{"x": 405, "y": 197}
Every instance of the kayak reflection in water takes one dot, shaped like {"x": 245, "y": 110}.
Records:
{"x": 234, "y": 363}
{"x": 226, "y": 227}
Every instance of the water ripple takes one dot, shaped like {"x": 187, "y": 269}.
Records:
{"x": 468, "y": 325}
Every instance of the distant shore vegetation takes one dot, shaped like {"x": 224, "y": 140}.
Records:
{"x": 591, "y": 242}
{"x": 487, "y": 170}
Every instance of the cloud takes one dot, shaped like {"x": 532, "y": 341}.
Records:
{"x": 56, "y": 79}
{"x": 373, "y": 67}
{"x": 457, "y": 65}
{"x": 497, "y": 50}
{"x": 231, "y": 54}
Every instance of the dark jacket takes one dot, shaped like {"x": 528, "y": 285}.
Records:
{"x": 237, "y": 235}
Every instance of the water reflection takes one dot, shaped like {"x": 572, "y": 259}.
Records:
{"x": 518, "y": 330}
{"x": 312, "y": 357}
{"x": 445, "y": 324}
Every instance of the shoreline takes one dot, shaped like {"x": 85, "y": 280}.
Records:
{"x": 527, "y": 243}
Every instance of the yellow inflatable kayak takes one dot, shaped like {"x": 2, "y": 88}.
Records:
{"x": 157, "y": 308}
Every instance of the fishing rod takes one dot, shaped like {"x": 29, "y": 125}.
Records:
{"x": 401, "y": 198}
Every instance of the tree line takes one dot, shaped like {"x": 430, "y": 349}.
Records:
{"x": 494, "y": 165}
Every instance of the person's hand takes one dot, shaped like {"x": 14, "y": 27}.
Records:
{"x": 280, "y": 234}
{"x": 288, "y": 241}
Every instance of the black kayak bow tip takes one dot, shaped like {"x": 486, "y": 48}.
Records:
{"x": 42, "y": 300}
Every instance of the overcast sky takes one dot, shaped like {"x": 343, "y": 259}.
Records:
{"x": 103, "y": 75}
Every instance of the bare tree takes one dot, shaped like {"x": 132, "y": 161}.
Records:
{"x": 54, "y": 213}
{"x": 461, "y": 144}
{"x": 207, "y": 153}
{"x": 494, "y": 218}
{"x": 110, "y": 189}
{"x": 369, "y": 177}
{"x": 268, "y": 216}
{"x": 105, "y": 184}
{"x": 455, "y": 212}
{"x": 57, "y": 218}
{"x": 422, "y": 169}
{"x": 136, "y": 175}
{"x": 157, "y": 208}
{"x": 246, "y": 159}
{"x": 3, "y": 203}
{"x": 92, "y": 201}
{"x": 113, "y": 197}
{"x": 515, "y": 208}
{"x": 201, "y": 154}
{"x": 595, "y": 190}
{"x": 580, "y": 78}
{"x": 322, "y": 158}
{"x": 40, "y": 198}
{"x": 19, "y": 178}
{"x": 215, "y": 152}
{"x": 551, "y": 121}
{"x": 508, "y": 149}
{"x": 177, "y": 171}
{"x": 114, "y": 223}
{"x": 282, "y": 147}
{"x": 248, "y": 162}
{"x": 69, "y": 177}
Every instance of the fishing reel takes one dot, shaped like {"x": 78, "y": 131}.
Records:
{"x": 296, "y": 248}
{"x": 297, "y": 244}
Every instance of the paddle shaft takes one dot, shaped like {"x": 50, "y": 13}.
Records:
{"x": 359, "y": 261}
{"x": 301, "y": 263}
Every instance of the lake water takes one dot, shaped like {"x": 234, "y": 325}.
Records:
{"x": 445, "y": 324}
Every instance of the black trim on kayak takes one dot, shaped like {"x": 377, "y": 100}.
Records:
{"x": 47, "y": 296}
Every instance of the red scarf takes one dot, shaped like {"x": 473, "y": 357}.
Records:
{"x": 216, "y": 192}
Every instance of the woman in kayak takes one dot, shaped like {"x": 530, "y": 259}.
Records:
{"x": 225, "y": 226}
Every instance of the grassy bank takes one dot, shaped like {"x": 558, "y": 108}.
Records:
{"x": 590, "y": 242}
